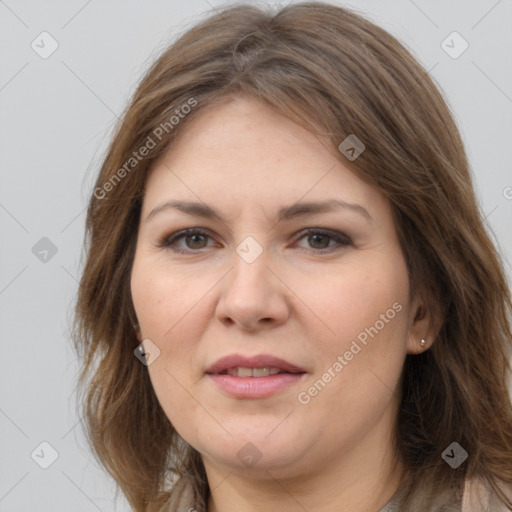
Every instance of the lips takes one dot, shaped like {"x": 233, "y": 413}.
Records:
{"x": 257, "y": 366}
{"x": 257, "y": 377}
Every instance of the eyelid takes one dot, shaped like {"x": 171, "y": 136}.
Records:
{"x": 167, "y": 241}
{"x": 340, "y": 237}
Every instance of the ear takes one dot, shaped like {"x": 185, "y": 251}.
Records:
{"x": 425, "y": 322}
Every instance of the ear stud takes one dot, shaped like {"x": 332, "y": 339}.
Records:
{"x": 423, "y": 342}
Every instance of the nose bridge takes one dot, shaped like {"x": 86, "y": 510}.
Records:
{"x": 252, "y": 292}
{"x": 250, "y": 276}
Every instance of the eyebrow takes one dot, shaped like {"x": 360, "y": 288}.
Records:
{"x": 285, "y": 214}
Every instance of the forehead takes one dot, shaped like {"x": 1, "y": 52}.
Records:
{"x": 244, "y": 152}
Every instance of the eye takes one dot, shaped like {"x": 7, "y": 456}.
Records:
{"x": 319, "y": 240}
{"x": 193, "y": 238}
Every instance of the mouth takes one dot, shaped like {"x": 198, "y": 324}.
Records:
{"x": 254, "y": 377}
{"x": 240, "y": 371}
{"x": 261, "y": 365}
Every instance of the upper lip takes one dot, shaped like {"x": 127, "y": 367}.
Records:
{"x": 259, "y": 361}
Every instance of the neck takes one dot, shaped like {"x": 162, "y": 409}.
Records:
{"x": 361, "y": 479}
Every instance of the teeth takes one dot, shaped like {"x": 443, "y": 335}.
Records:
{"x": 260, "y": 372}
{"x": 252, "y": 372}
{"x": 244, "y": 372}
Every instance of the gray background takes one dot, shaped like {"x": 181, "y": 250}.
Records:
{"x": 56, "y": 117}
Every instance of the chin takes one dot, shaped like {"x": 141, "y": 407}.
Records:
{"x": 260, "y": 451}
{"x": 249, "y": 460}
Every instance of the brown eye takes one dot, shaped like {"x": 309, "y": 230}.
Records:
{"x": 322, "y": 240}
{"x": 319, "y": 240}
{"x": 193, "y": 240}
{"x": 196, "y": 241}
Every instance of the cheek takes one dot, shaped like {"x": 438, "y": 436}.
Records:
{"x": 165, "y": 300}
{"x": 363, "y": 303}
{"x": 171, "y": 311}
{"x": 366, "y": 310}
{"x": 164, "y": 305}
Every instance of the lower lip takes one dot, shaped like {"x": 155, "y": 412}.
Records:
{"x": 255, "y": 387}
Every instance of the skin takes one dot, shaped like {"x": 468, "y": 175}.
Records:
{"x": 304, "y": 299}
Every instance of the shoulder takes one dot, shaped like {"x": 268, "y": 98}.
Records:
{"x": 479, "y": 497}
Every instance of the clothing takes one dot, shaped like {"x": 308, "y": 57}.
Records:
{"x": 476, "y": 498}
{"x": 445, "y": 503}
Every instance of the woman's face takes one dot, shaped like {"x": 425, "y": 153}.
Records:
{"x": 317, "y": 292}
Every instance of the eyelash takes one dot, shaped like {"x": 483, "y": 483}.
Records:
{"x": 169, "y": 242}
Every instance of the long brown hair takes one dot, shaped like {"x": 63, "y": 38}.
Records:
{"x": 310, "y": 61}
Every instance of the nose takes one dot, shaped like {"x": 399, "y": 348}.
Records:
{"x": 253, "y": 296}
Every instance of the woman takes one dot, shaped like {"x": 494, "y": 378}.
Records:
{"x": 284, "y": 232}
